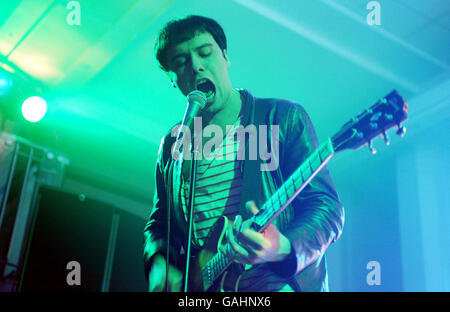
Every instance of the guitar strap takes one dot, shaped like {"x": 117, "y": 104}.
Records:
{"x": 252, "y": 188}
{"x": 250, "y": 169}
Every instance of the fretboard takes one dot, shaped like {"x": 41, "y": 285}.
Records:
{"x": 275, "y": 205}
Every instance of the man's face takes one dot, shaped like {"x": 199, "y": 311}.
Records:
{"x": 200, "y": 64}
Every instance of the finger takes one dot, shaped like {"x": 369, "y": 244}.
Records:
{"x": 254, "y": 240}
{"x": 242, "y": 240}
{"x": 237, "y": 224}
{"x": 251, "y": 207}
{"x": 157, "y": 279}
{"x": 175, "y": 279}
{"x": 157, "y": 276}
{"x": 247, "y": 234}
{"x": 245, "y": 251}
{"x": 235, "y": 251}
{"x": 234, "y": 244}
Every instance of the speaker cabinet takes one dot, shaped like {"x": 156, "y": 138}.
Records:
{"x": 104, "y": 241}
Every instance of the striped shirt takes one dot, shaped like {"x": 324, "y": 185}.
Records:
{"x": 218, "y": 186}
{"x": 217, "y": 192}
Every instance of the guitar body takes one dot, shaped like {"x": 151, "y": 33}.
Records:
{"x": 228, "y": 281}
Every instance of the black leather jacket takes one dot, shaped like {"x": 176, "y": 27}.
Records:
{"x": 312, "y": 221}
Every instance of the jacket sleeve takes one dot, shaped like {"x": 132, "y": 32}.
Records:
{"x": 318, "y": 216}
{"x": 155, "y": 231}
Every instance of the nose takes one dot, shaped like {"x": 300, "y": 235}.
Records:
{"x": 197, "y": 64}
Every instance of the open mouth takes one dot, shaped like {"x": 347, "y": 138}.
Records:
{"x": 206, "y": 86}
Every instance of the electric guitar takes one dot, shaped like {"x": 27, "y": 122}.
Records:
{"x": 212, "y": 270}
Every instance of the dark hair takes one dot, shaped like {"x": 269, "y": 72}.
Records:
{"x": 180, "y": 30}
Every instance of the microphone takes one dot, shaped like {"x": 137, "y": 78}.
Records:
{"x": 196, "y": 102}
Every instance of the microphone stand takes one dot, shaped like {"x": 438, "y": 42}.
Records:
{"x": 195, "y": 151}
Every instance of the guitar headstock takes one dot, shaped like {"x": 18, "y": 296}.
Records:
{"x": 387, "y": 113}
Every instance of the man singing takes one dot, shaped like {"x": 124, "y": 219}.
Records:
{"x": 289, "y": 255}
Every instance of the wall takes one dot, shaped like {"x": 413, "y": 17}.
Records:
{"x": 397, "y": 205}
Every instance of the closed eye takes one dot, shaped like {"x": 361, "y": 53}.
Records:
{"x": 179, "y": 61}
{"x": 205, "y": 51}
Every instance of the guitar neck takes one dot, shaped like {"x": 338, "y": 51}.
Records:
{"x": 276, "y": 203}
{"x": 293, "y": 186}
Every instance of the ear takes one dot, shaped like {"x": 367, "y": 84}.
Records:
{"x": 225, "y": 55}
{"x": 172, "y": 78}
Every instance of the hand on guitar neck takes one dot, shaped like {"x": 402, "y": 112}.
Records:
{"x": 251, "y": 247}
{"x": 157, "y": 276}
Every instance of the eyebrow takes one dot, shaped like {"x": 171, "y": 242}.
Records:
{"x": 196, "y": 49}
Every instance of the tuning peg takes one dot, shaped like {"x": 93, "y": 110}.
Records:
{"x": 401, "y": 130}
{"x": 388, "y": 116}
{"x": 386, "y": 138}
{"x": 373, "y": 125}
{"x": 357, "y": 133}
{"x": 371, "y": 148}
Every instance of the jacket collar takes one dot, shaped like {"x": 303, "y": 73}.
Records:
{"x": 248, "y": 101}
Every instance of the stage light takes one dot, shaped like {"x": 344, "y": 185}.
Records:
{"x": 5, "y": 83}
{"x": 34, "y": 108}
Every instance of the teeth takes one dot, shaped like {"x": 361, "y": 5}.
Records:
{"x": 200, "y": 81}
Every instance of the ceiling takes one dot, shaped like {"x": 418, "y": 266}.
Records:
{"x": 109, "y": 104}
